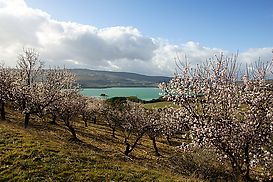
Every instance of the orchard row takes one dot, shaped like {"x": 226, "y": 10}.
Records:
{"x": 220, "y": 107}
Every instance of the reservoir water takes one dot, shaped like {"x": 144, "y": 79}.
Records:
{"x": 144, "y": 93}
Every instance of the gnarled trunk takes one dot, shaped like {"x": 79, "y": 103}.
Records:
{"x": 85, "y": 119}
{"x": 113, "y": 132}
{"x": 2, "y": 110}
{"x": 169, "y": 140}
{"x": 94, "y": 118}
{"x": 247, "y": 162}
{"x": 27, "y": 116}
{"x": 73, "y": 132}
{"x": 129, "y": 148}
{"x": 155, "y": 147}
{"x": 54, "y": 118}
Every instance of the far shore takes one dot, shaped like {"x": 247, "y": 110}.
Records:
{"x": 119, "y": 87}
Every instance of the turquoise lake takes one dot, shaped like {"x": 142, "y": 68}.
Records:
{"x": 144, "y": 93}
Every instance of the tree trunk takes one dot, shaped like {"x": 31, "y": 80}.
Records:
{"x": 130, "y": 148}
{"x": 247, "y": 177}
{"x": 247, "y": 162}
{"x": 127, "y": 149}
{"x": 135, "y": 144}
{"x": 113, "y": 132}
{"x": 155, "y": 147}
{"x": 84, "y": 118}
{"x": 23, "y": 104}
{"x": 54, "y": 118}
{"x": 27, "y": 116}
{"x": 73, "y": 132}
{"x": 2, "y": 110}
{"x": 237, "y": 173}
{"x": 169, "y": 140}
{"x": 95, "y": 119}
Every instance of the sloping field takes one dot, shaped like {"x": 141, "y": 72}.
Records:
{"x": 43, "y": 152}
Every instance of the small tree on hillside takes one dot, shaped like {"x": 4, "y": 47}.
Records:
{"x": 112, "y": 111}
{"x": 7, "y": 79}
{"x": 37, "y": 89}
{"x": 29, "y": 83}
{"x": 155, "y": 130}
{"x": 64, "y": 100}
{"x": 134, "y": 125}
{"x": 174, "y": 122}
{"x": 167, "y": 121}
{"x": 69, "y": 108}
{"x": 231, "y": 117}
{"x": 91, "y": 110}
{"x": 56, "y": 82}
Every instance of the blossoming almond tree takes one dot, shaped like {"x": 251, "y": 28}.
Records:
{"x": 173, "y": 122}
{"x": 91, "y": 110}
{"x": 136, "y": 121}
{"x": 160, "y": 122}
{"x": 134, "y": 125}
{"x": 69, "y": 109}
{"x": 112, "y": 111}
{"x": 133, "y": 120}
{"x": 28, "y": 88}
{"x": 233, "y": 118}
{"x": 63, "y": 99}
{"x": 156, "y": 128}
{"x": 37, "y": 89}
{"x": 57, "y": 81}
{"x": 7, "y": 78}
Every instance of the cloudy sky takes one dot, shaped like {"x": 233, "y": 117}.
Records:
{"x": 141, "y": 36}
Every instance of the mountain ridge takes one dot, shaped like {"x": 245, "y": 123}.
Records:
{"x": 101, "y": 79}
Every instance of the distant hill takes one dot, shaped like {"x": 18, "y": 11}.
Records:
{"x": 100, "y": 79}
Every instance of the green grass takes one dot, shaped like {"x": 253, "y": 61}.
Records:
{"x": 43, "y": 152}
{"x": 160, "y": 105}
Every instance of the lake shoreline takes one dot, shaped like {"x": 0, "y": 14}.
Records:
{"x": 119, "y": 87}
{"x": 143, "y": 93}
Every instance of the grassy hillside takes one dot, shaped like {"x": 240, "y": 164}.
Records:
{"x": 160, "y": 105}
{"x": 91, "y": 78}
{"x": 43, "y": 152}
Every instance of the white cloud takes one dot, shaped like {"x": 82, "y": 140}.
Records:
{"x": 254, "y": 54}
{"x": 77, "y": 45}
{"x": 167, "y": 54}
